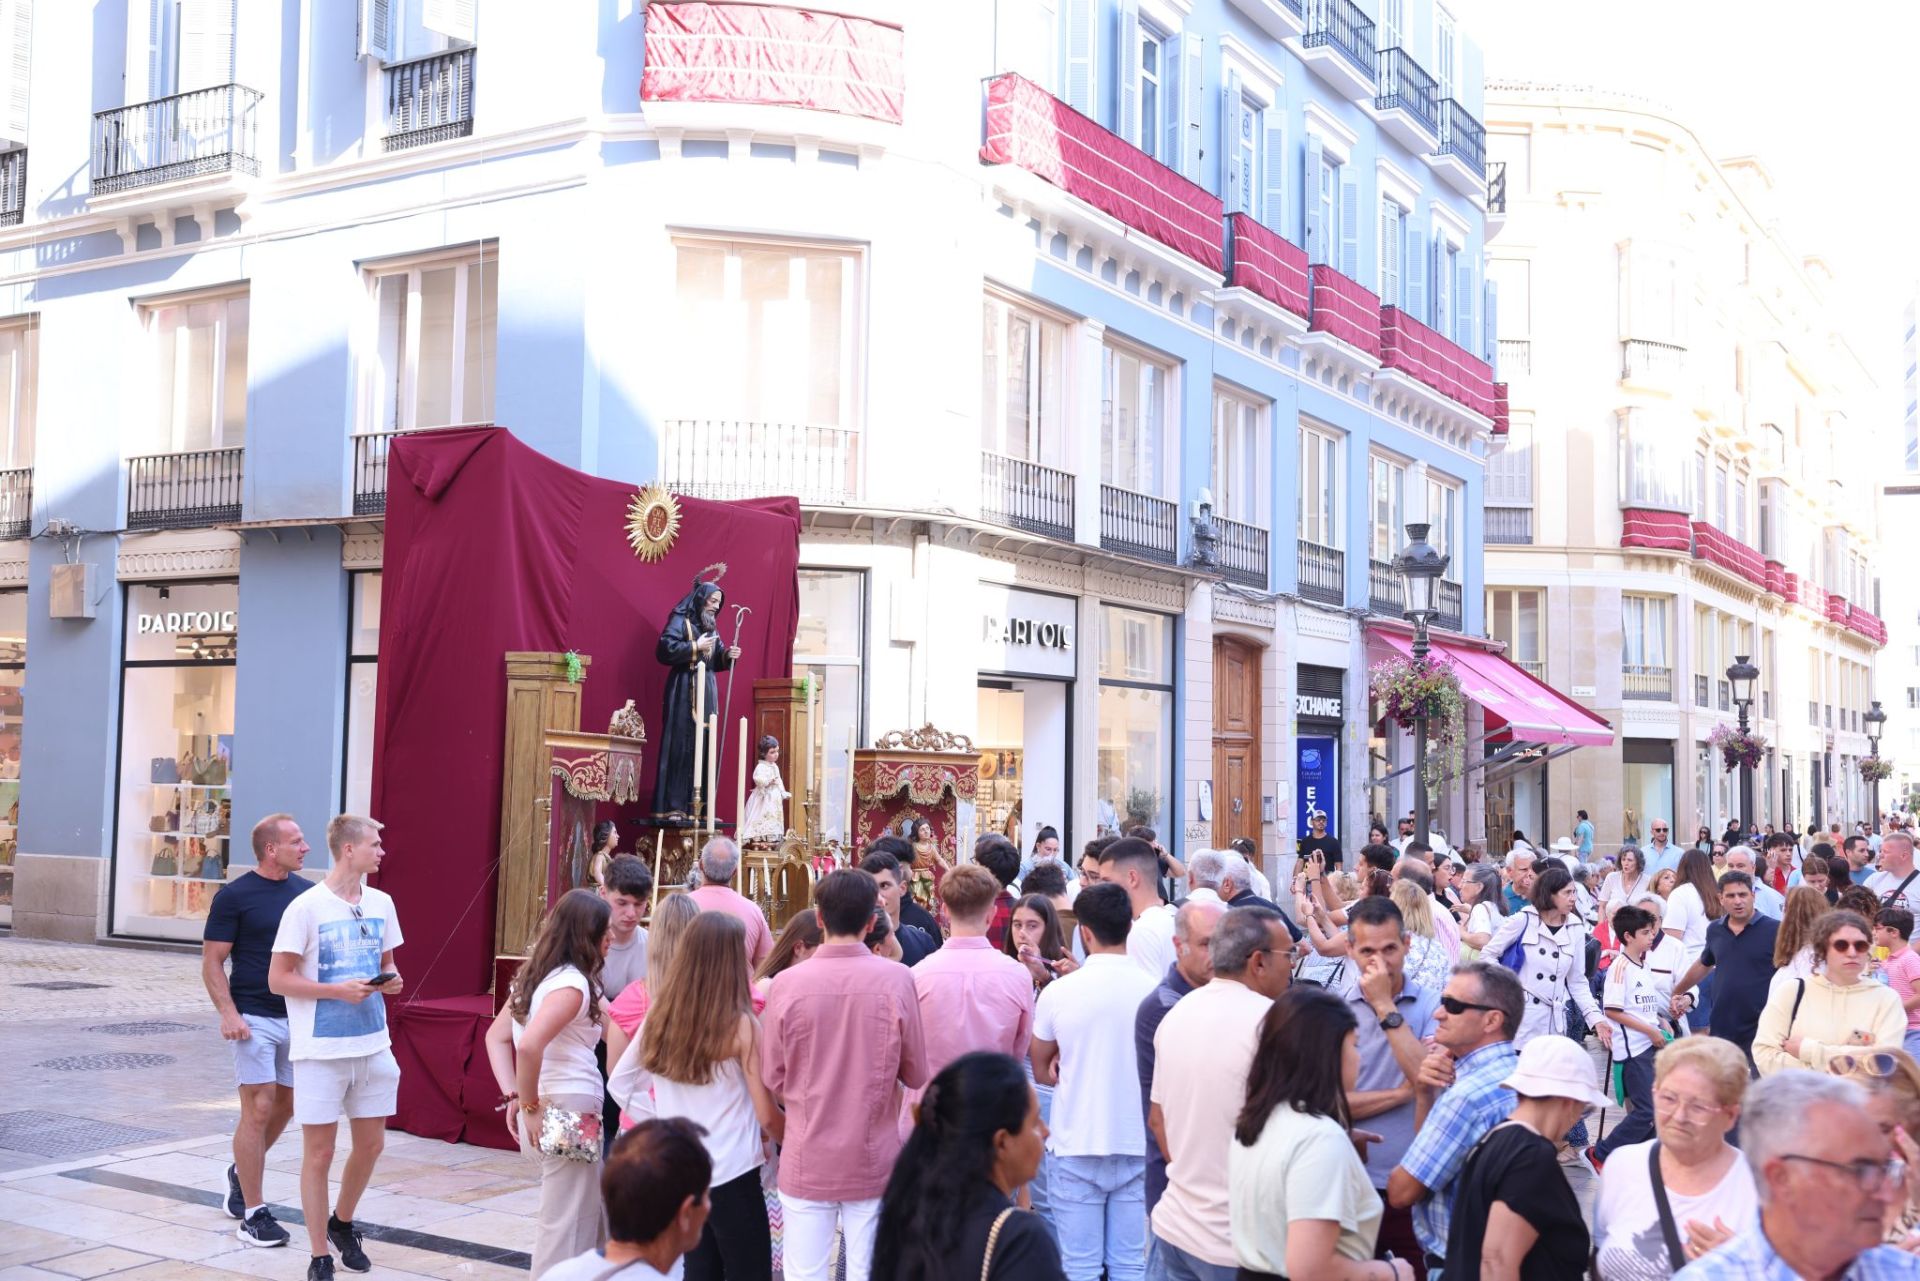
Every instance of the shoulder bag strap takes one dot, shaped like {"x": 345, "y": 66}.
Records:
{"x": 1900, "y": 888}
{"x": 1799, "y": 995}
{"x": 993, "y": 1239}
{"x": 1676, "y": 1253}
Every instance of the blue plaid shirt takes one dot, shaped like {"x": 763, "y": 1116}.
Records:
{"x": 1751, "y": 1257}
{"x": 1461, "y": 1117}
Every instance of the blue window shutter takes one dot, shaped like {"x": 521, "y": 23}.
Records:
{"x": 1193, "y": 94}
{"x": 1414, "y": 262}
{"x": 1490, "y": 323}
{"x": 1317, "y": 227}
{"x": 1231, "y": 188}
{"x": 1081, "y": 53}
{"x": 1126, "y": 111}
{"x": 1273, "y": 170}
{"x": 1463, "y": 303}
{"x": 1349, "y": 265}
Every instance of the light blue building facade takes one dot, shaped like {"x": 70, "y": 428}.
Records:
{"x": 1069, "y": 489}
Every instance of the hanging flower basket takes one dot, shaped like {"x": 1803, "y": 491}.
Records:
{"x": 1737, "y": 749}
{"x": 1406, "y": 690}
{"x": 1876, "y": 769}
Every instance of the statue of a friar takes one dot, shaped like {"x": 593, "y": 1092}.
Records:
{"x": 691, "y": 636}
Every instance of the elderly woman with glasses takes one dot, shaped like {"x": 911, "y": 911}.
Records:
{"x": 1837, "y": 1011}
{"x": 1892, "y": 1081}
{"x": 1698, "y": 1085}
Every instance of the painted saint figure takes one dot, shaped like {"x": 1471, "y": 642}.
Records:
{"x": 691, "y": 636}
{"x": 766, "y": 815}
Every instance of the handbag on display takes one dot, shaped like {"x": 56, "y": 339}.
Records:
{"x": 213, "y": 866}
{"x": 166, "y": 861}
{"x": 225, "y": 827}
{"x": 163, "y": 769}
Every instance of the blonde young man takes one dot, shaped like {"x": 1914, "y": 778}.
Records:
{"x": 335, "y": 941}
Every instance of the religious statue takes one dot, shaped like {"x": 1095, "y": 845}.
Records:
{"x": 765, "y": 818}
{"x": 690, "y": 638}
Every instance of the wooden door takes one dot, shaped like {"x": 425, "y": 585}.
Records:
{"x": 1236, "y": 740}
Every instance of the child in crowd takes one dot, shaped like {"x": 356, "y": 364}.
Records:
{"x": 1893, "y": 930}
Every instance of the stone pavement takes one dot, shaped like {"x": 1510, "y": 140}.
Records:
{"x": 114, "y": 1141}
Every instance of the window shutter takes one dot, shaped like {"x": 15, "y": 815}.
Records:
{"x": 1349, "y": 226}
{"x": 1436, "y": 252}
{"x": 145, "y": 79}
{"x": 1413, "y": 266}
{"x": 451, "y": 18}
{"x": 206, "y": 44}
{"x": 1463, "y": 303}
{"x": 16, "y": 27}
{"x": 1273, "y": 170}
{"x": 1317, "y": 228}
{"x": 1193, "y": 93}
{"x": 1126, "y": 116}
{"x": 1490, "y": 324}
{"x": 1232, "y": 189}
{"x": 376, "y": 30}
{"x": 1390, "y": 231}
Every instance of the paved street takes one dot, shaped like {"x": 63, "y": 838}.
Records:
{"x": 113, "y": 1141}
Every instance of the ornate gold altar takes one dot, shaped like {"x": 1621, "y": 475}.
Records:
{"x": 586, "y": 769}
{"x": 923, "y": 773}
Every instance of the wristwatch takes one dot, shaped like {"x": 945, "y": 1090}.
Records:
{"x": 1392, "y": 1021}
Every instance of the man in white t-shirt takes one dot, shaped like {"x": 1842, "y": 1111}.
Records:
{"x": 334, "y": 942}
{"x": 1896, "y": 884}
{"x": 1134, "y": 866}
{"x": 1083, "y": 1026}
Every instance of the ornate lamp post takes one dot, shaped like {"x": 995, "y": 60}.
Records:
{"x": 1421, "y": 567}
{"x": 1876, "y": 720}
{"x": 1742, "y": 675}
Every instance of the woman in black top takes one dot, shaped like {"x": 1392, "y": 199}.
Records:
{"x": 977, "y": 1137}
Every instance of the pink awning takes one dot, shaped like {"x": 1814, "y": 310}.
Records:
{"x": 1532, "y": 710}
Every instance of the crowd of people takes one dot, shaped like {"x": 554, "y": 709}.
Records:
{"x": 1018, "y": 1066}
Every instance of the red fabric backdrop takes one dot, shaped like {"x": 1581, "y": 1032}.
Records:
{"x": 492, "y": 546}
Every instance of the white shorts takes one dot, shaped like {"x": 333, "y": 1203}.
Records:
{"x": 324, "y": 1090}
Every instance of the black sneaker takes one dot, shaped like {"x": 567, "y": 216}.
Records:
{"x": 320, "y": 1268}
{"x": 261, "y": 1228}
{"x": 345, "y": 1238}
{"x": 236, "y": 1205}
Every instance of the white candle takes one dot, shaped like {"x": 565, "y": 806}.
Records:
{"x": 713, "y": 770}
{"x": 699, "y": 728}
{"x": 740, "y": 793}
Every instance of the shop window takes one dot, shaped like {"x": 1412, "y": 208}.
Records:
{"x": 1135, "y": 759}
{"x": 174, "y": 835}
{"x": 199, "y": 373}
{"x": 13, "y": 678}
{"x": 433, "y": 347}
{"x": 363, "y": 688}
{"x": 831, "y": 647}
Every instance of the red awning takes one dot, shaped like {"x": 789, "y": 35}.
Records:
{"x": 1532, "y": 710}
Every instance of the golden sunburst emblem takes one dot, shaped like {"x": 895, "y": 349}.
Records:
{"x": 653, "y": 522}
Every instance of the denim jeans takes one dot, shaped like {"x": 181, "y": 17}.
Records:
{"x": 1037, "y": 1189}
{"x": 1168, "y": 1262}
{"x": 1912, "y": 1042}
{"x": 1100, "y": 1215}
{"x": 1637, "y": 1125}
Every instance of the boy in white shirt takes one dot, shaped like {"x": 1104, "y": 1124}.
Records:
{"x": 1633, "y": 998}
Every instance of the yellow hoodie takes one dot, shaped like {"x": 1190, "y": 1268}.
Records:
{"x": 1827, "y": 1020}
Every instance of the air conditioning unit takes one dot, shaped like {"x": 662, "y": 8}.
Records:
{"x": 71, "y": 593}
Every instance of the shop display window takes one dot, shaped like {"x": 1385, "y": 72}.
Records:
{"x": 830, "y": 647}
{"x": 1136, "y": 722}
{"x": 363, "y": 691}
{"x": 13, "y": 673}
{"x": 174, "y": 844}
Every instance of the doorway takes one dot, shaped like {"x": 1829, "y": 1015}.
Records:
{"x": 1024, "y": 746}
{"x": 1236, "y": 740}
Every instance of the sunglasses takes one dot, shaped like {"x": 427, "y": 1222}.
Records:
{"x": 366, "y": 930}
{"x": 1859, "y": 946}
{"x": 1882, "y": 1064}
{"x": 1454, "y": 1005}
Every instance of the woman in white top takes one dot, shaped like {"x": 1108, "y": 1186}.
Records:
{"x": 697, "y": 1055}
{"x": 540, "y": 1047}
{"x": 1486, "y": 904}
{"x": 1427, "y": 966}
{"x": 1618, "y": 890}
{"x": 1694, "y": 903}
{"x": 1793, "y": 954}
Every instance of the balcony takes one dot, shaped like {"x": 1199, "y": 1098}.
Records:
{"x": 1243, "y": 552}
{"x": 1338, "y": 47}
{"x": 1656, "y": 366}
{"x": 1516, "y": 357}
{"x": 1720, "y": 549}
{"x": 190, "y": 135}
{"x": 1510, "y": 525}
{"x": 1386, "y": 591}
{"x": 1430, "y": 358}
{"x": 1461, "y": 160}
{"x": 1646, "y": 682}
{"x": 724, "y": 459}
{"x": 1345, "y": 309}
{"x": 183, "y": 491}
{"x": 1447, "y": 607}
{"x": 1323, "y": 573}
{"x": 13, "y": 187}
{"x": 1534, "y": 667}
{"x": 769, "y": 56}
{"x": 1655, "y": 530}
{"x": 1269, "y": 266}
{"x": 1408, "y": 101}
{"x": 1497, "y": 189}
{"x": 430, "y": 100}
{"x": 1139, "y": 525}
{"x": 370, "y": 467}
{"x": 1026, "y": 496}
{"x": 16, "y": 503}
{"x": 1280, "y": 19}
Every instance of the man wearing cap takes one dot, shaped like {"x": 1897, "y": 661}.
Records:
{"x": 1512, "y": 1206}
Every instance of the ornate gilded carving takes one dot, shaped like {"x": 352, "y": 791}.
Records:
{"x": 924, "y": 739}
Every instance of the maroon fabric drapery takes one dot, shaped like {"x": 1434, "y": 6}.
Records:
{"x": 491, "y": 546}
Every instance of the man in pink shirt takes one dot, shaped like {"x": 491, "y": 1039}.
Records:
{"x": 972, "y": 996}
{"x": 719, "y": 860}
{"x": 841, "y": 1035}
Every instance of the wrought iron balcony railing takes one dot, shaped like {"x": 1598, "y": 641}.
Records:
{"x": 1136, "y": 524}
{"x": 1510, "y": 525}
{"x": 13, "y": 187}
{"x": 1461, "y": 135}
{"x": 1323, "y": 573}
{"x": 1342, "y": 26}
{"x": 1497, "y": 187}
{"x": 1243, "y": 552}
{"x": 722, "y": 458}
{"x": 1447, "y": 604}
{"x": 16, "y": 502}
{"x": 1386, "y": 591}
{"x": 430, "y": 99}
{"x": 1404, "y": 85}
{"x": 184, "y": 491}
{"x": 188, "y": 135}
{"x": 1026, "y": 495}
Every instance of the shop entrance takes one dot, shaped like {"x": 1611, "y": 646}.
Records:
{"x": 1236, "y": 740}
{"x": 1024, "y": 740}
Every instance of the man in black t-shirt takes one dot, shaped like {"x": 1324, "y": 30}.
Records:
{"x": 1319, "y": 842}
{"x": 242, "y": 921}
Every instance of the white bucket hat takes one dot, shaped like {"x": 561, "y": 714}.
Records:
{"x": 1556, "y": 1067}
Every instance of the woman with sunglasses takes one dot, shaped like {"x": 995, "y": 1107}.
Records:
{"x": 1837, "y": 1011}
{"x": 1892, "y": 1081}
{"x": 1698, "y": 1084}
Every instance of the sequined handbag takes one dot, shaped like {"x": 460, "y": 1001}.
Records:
{"x": 572, "y": 1135}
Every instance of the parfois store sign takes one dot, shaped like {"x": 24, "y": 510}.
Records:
{"x": 192, "y": 622}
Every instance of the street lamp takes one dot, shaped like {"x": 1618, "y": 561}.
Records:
{"x": 1420, "y": 566}
{"x": 1741, "y": 676}
{"x": 1876, "y": 719}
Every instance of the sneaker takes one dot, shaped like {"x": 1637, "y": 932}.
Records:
{"x": 262, "y": 1229}
{"x": 1592, "y": 1157}
{"x": 320, "y": 1268}
{"x": 236, "y": 1205}
{"x": 345, "y": 1238}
